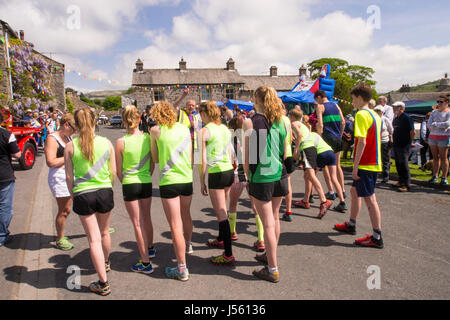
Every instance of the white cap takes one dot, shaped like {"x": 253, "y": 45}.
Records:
{"x": 379, "y": 108}
{"x": 398, "y": 104}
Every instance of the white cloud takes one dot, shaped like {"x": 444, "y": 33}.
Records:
{"x": 256, "y": 34}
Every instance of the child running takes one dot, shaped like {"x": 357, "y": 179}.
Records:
{"x": 216, "y": 159}
{"x": 241, "y": 183}
{"x": 134, "y": 170}
{"x": 304, "y": 142}
{"x": 366, "y": 164}
{"x": 264, "y": 165}
{"x": 171, "y": 148}
{"x": 90, "y": 170}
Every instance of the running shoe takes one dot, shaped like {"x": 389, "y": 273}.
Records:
{"x": 259, "y": 245}
{"x": 223, "y": 260}
{"x": 234, "y": 236}
{"x": 101, "y": 289}
{"x": 214, "y": 243}
{"x": 433, "y": 180}
{"x": 264, "y": 274}
{"x": 174, "y": 273}
{"x": 345, "y": 227}
{"x": 324, "y": 208}
{"x": 139, "y": 267}
{"x": 152, "y": 252}
{"x": 369, "y": 241}
{"x": 261, "y": 258}
{"x": 287, "y": 217}
{"x": 403, "y": 189}
{"x": 108, "y": 266}
{"x": 331, "y": 196}
{"x": 341, "y": 207}
{"x": 301, "y": 204}
{"x": 64, "y": 244}
{"x": 444, "y": 182}
{"x": 189, "y": 249}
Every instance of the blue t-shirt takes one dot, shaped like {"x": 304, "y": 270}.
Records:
{"x": 403, "y": 125}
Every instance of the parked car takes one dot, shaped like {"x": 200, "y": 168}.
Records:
{"x": 116, "y": 121}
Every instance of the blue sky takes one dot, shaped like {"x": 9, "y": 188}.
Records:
{"x": 411, "y": 46}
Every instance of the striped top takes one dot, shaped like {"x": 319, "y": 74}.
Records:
{"x": 331, "y": 118}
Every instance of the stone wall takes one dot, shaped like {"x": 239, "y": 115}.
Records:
{"x": 144, "y": 98}
{"x": 5, "y": 86}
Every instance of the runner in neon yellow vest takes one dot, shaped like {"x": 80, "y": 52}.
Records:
{"x": 216, "y": 150}
{"x": 289, "y": 164}
{"x": 171, "y": 148}
{"x": 135, "y": 166}
{"x": 90, "y": 168}
{"x": 305, "y": 142}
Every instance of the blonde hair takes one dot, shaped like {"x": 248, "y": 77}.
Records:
{"x": 212, "y": 111}
{"x": 85, "y": 122}
{"x": 164, "y": 114}
{"x": 130, "y": 116}
{"x": 272, "y": 105}
{"x": 68, "y": 117}
{"x": 296, "y": 114}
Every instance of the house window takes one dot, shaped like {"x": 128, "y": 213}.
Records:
{"x": 158, "y": 95}
{"x": 229, "y": 93}
{"x": 206, "y": 94}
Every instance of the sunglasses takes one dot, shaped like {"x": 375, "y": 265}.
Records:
{"x": 440, "y": 101}
{"x": 71, "y": 126}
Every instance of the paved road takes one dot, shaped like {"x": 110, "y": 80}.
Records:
{"x": 315, "y": 261}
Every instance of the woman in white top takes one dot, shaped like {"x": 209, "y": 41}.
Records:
{"x": 54, "y": 155}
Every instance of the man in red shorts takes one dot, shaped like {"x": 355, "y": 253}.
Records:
{"x": 367, "y": 163}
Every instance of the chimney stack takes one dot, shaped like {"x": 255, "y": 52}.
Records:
{"x": 22, "y": 35}
{"x": 273, "y": 71}
{"x": 139, "y": 65}
{"x": 230, "y": 64}
{"x": 302, "y": 71}
{"x": 182, "y": 65}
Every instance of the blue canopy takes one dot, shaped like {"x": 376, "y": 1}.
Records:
{"x": 230, "y": 103}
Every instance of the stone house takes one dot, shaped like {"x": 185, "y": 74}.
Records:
{"x": 153, "y": 85}
{"x": 56, "y": 85}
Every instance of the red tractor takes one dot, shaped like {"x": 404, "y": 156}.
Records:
{"x": 25, "y": 139}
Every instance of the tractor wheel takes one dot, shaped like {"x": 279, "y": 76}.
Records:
{"x": 28, "y": 157}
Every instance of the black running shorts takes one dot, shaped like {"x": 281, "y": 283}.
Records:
{"x": 174, "y": 190}
{"x": 267, "y": 191}
{"x": 310, "y": 157}
{"x": 136, "y": 191}
{"x": 289, "y": 164}
{"x": 95, "y": 201}
{"x": 334, "y": 142}
{"x": 220, "y": 180}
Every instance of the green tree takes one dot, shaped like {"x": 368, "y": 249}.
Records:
{"x": 112, "y": 103}
{"x": 346, "y": 76}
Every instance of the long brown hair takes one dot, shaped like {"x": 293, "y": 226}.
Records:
{"x": 272, "y": 105}
{"x": 85, "y": 122}
{"x": 212, "y": 111}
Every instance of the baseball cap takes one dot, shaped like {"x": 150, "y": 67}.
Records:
{"x": 398, "y": 104}
{"x": 379, "y": 108}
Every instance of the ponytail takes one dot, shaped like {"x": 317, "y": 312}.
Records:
{"x": 272, "y": 105}
{"x": 85, "y": 122}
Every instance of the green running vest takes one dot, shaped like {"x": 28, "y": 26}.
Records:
{"x": 217, "y": 147}
{"x": 174, "y": 155}
{"x": 270, "y": 166}
{"x": 92, "y": 176}
{"x": 306, "y": 141}
{"x": 136, "y": 159}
